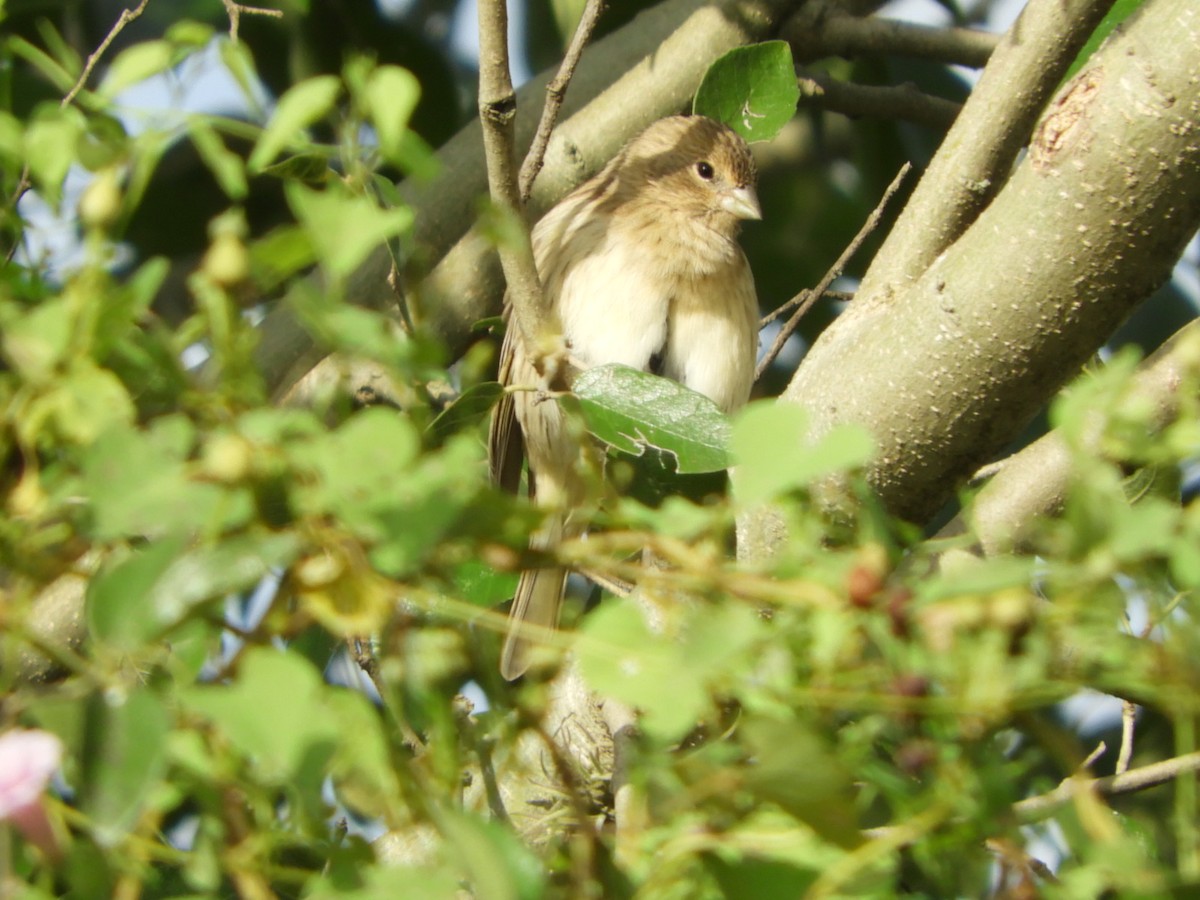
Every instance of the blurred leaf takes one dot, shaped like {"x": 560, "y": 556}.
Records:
{"x": 751, "y": 89}
{"x": 629, "y": 410}
{"x": 792, "y": 767}
{"x": 304, "y": 104}
{"x": 621, "y": 658}
{"x": 754, "y": 878}
{"x": 124, "y": 756}
{"x": 50, "y": 141}
{"x": 135, "y": 64}
{"x": 53, "y": 70}
{"x": 36, "y": 342}
{"x": 136, "y": 482}
{"x": 470, "y": 407}
{"x": 84, "y": 402}
{"x": 482, "y": 585}
{"x": 392, "y": 94}
{"x": 343, "y": 228}
{"x": 275, "y": 712}
{"x": 774, "y": 454}
{"x": 280, "y": 254}
{"x": 498, "y": 865}
{"x": 160, "y": 584}
{"x": 227, "y": 167}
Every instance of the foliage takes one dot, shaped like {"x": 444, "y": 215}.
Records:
{"x": 857, "y": 715}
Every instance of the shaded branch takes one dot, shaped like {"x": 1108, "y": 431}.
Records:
{"x": 902, "y": 101}
{"x": 805, "y": 299}
{"x": 849, "y": 36}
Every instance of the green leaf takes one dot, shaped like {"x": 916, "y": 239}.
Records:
{"x": 392, "y": 94}
{"x": 630, "y": 410}
{"x": 472, "y": 406}
{"x": 51, "y": 69}
{"x": 751, "y": 89}
{"x": 12, "y": 139}
{"x": 794, "y": 769}
{"x": 343, "y": 228}
{"x": 156, "y": 587}
{"x": 227, "y": 167}
{"x": 35, "y": 343}
{"x": 274, "y": 713}
{"x": 302, "y": 105}
{"x": 137, "y": 483}
{"x": 478, "y": 583}
{"x": 123, "y": 758}
{"x": 620, "y": 657}
{"x": 50, "y": 141}
{"x": 754, "y": 878}
{"x": 279, "y": 255}
{"x": 774, "y": 453}
{"x": 86, "y": 402}
{"x": 135, "y": 64}
{"x": 1121, "y": 10}
{"x": 498, "y": 865}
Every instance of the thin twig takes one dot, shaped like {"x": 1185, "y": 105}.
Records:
{"x": 1033, "y": 809}
{"x": 235, "y": 11}
{"x": 805, "y": 299}
{"x": 1138, "y": 779}
{"x": 363, "y": 655}
{"x": 1128, "y": 720}
{"x": 839, "y": 296}
{"x": 127, "y": 16}
{"x": 1100, "y": 750}
{"x": 1129, "y": 712}
{"x": 556, "y": 91}
{"x": 497, "y": 114}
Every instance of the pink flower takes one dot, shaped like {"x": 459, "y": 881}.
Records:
{"x": 28, "y": 759}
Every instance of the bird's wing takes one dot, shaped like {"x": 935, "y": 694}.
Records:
{"x": 506, "y": 446}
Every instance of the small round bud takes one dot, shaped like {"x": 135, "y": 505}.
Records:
{"x": 100, "y": 204}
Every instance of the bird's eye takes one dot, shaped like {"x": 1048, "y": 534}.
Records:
{"x": 705, "y": 170}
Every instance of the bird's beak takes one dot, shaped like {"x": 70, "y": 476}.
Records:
{"x": 742, "y": 202}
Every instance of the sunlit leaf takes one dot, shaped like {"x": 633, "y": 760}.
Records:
{"x": 751, "y": 89}
{"x": 630, "y": 410}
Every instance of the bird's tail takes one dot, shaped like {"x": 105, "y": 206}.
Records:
{"x": 536, "y": 603}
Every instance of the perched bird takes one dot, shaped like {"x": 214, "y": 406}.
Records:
{"x": 640, "y": 265}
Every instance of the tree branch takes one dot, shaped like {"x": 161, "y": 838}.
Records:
{"x": 951, "y": 369}
{"x": 805, "y": 299}
{"x": 974, "y": 161}
{"x": 556, "y": 91}
{"x": 1140, "y": 779}
{"x": 848, "y": 36}
{"x": 1032, "y": 483}
{"x": 497, "y": 113}
{"x": 902, "y": 101}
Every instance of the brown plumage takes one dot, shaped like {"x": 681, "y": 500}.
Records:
{"x": 640, "y": 265}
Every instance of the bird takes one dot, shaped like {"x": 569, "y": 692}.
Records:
{"x": 641, "y": 266}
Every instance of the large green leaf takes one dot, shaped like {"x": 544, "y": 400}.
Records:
{"x": 775, "y": 454}
{"x": 630, "y": 410}
{"x": 751, "y": 89}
